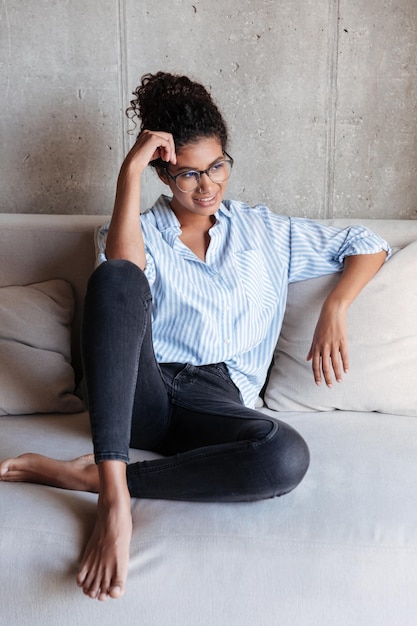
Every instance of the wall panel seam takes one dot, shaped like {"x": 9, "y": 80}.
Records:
{"x": 122, "y": 74}
{"x": 331, "y": 105}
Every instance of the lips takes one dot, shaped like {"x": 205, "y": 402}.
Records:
{"x": 206, "y": 201}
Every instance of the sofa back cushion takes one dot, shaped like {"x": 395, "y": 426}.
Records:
{"x": 35, "y": 349}
{"x": 382, "y": 328}
{"x": 37, "y": 248}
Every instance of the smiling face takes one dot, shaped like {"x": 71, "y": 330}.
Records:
{"x": 206, "y": 198}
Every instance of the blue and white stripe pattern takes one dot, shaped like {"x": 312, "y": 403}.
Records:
{"x": 230, "y": 307}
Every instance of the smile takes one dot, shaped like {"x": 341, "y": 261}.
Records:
{"x": 208, "y": 200}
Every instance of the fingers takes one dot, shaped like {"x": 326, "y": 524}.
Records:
{"x": 158, "y": 144}
{"x": 329, "y": 348}
{"x": 167, "y": 151}
{"x": 329, "y": 363}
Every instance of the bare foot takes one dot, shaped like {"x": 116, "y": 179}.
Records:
{"x": 104, "y": 567}
{"x": 80, "y": 474}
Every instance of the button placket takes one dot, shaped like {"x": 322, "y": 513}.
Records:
{"x": 225, "y": 324}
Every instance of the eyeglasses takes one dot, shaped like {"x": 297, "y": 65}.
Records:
{"x": 189, "y": 181}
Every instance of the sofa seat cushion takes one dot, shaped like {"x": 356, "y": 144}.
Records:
{"x": 36, "y": 375}
{"x": 343, "y": 545}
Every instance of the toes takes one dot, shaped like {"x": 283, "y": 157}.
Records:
{"x": 93, "y": 592}
{"x": 91, "y": 587}
{"x": 81, "y": 578}
{"x": 4, "y": 468}
{"x": 116, "y": 591}
{"x": 99, "y": 585}
{"x": 103, "y": 588}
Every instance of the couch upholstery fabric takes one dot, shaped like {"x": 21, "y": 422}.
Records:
{"x": 341, "y": 549}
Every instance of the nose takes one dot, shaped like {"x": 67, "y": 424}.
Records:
{"x": 205, "y": 183}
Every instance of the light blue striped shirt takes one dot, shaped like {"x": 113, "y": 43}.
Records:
{"x": 230, "y": 307}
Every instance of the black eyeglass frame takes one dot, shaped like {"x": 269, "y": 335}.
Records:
{"x": 228, "y": 159}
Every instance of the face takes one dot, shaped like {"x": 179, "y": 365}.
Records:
{"x": 206, "y": 198}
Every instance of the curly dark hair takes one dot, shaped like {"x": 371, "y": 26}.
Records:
{"x": 177, "y": 105}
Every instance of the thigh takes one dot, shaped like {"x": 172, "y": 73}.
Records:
{"x": 152, "y": 406}
{"x": 207, "y": 411}
{"x": 217, "y": 449}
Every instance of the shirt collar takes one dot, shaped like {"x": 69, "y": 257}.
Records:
{"x": 165, "y": 218}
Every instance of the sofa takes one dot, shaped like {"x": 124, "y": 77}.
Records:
{"x": 340, "y": 550}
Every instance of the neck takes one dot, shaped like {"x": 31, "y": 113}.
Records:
{"x": 195, "y": 232}
{"x": 192, "y": 221}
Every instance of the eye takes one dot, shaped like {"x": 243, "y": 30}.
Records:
{"x": 218, "y": 167}
{"x": 190, "y": 175}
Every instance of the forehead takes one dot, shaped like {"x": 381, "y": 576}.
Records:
{"x": 200, "y": 154}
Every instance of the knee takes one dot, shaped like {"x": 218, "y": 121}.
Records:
{"x": 119, "y": 277}
{"x": 286, "y": 459}
{"x": 117, "y": 271}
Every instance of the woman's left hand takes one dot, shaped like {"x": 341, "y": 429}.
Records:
{"x": 329, "y": 348}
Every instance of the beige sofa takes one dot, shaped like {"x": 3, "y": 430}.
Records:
{"x": 341, "y": 549}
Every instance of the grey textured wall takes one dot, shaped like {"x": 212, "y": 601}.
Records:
{"x": 320, "y": 96}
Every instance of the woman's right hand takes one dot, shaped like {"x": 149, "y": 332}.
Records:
{"x": 151, "y": 145}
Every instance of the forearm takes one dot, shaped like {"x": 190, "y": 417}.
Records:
{"x": 358, "y": 271}
{"x": 124, "y": 239}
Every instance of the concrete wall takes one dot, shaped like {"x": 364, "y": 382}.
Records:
{"x": 320, "y": 96}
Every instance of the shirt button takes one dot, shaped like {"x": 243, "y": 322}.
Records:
{"x": 227, "y": 341}
{"x": 227, "y": 308}
{"x": 216, "y": 277}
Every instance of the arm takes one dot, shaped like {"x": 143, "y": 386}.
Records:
{"x": 329, "y": 348}
{"x": 124, "y": 239}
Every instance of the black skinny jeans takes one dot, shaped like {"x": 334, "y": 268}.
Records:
{"x": 215, "y": 449}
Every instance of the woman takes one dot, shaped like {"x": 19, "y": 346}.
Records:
{"x": 181, "y": 319}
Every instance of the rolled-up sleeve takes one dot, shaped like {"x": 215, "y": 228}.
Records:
{"x": 150, "y": 270}
{"x": 100, "y": 241}
{"x": 317, "y": 249}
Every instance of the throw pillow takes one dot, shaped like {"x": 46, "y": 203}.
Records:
{"x": 36, "y": 375}
{"x": 382, "y": 330}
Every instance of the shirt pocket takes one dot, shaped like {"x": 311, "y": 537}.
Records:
{"x": 258, "y": 290}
